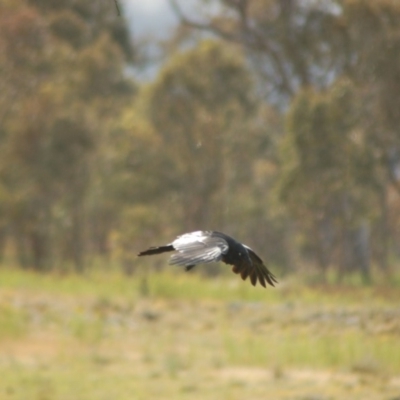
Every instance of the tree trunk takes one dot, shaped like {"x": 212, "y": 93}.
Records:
{"x": 384, "y": 234}
{"x": 77, "y": 239}
{"x": 39, "y": 250}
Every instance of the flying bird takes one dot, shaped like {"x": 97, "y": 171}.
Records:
{"x": 202, "y": 247}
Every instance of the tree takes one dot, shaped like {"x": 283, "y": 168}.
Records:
{"x": 199, "y": 105}
{"x": 327, "y": 180}
{"x": 372, "y": 34}
{"x": 81, "y": 22}
{"x": 57, "y": 95}
{"x": 129, "y": 189}
{"x": 290, "y": 43}
{"x": 218, "y": 139}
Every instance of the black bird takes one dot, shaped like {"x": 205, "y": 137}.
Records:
{"x": 208, "y": 246}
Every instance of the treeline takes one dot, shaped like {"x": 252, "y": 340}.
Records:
{"x": 277, "y": 122}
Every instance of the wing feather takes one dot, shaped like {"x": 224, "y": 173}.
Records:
{"x": 261, "y": 279}
{"x": 253, "y": 277}
{"x": 255, "y": 269}
{"x": 244, "y": 273}
{"x": 261, "y": 268}
{"x": 198, "y": 248}
{"x": 194, "y": 257}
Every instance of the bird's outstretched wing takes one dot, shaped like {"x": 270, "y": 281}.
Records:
{"x": 256, "y": 270}
{"x": 197, "y": 248}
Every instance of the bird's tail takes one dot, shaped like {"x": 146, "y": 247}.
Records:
{"x": 156, "y": 250}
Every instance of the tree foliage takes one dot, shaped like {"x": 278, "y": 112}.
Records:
{"x": 327, "y": 181}
{"x": 197, "y": 105}
{"x": 56, "y": 97}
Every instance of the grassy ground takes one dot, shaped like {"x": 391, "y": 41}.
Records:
{"x": 178, "y": 336}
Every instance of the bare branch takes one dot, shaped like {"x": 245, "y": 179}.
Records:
{"x": 246, "y": 36}
{"x": 209, "y": 27}
{"x": 117, "y": 7}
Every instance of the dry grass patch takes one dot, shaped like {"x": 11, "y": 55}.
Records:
{"x": 213, "y": 339}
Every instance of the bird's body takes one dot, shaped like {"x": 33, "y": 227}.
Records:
{"x": 210, "y": 246}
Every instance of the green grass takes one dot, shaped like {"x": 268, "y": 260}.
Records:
{"x": 176, "y": 284}
{"x": 13, "y": 322}
{"x": 335, "y": 350}
{"x": 177, "y": 335}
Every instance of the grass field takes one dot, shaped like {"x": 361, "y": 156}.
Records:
{"x": 180, "y": 336}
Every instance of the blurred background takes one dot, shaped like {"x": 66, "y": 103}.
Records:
{"x": 124, "y": 124}
{"x": 275, "y": 121}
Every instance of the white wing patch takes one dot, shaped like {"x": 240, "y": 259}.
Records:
{"x": 198, "y": 248}
{"x": 189, "y": 238}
